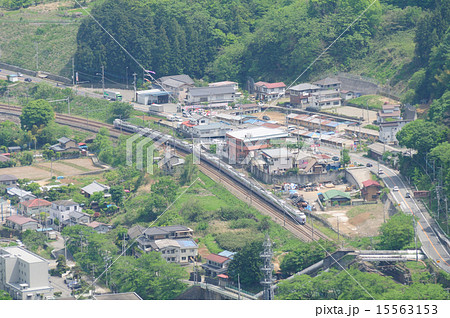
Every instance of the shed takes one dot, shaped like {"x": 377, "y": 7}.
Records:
{"x": 335, "y": 197}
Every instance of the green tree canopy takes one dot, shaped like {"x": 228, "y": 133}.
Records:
{"x": 247, "y": 264}
{"x": 37, "y": 113}
{"x": 397, "y": 233}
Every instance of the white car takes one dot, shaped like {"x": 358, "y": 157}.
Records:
{"x": 395, "y": 188}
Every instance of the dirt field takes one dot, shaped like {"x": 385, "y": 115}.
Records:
{"x": 356, "y": 112}
{"x": 39, "y": 171}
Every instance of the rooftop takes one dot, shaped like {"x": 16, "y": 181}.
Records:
{"x": 19, "y": 219}
{"x": 217, "y": 258}
{"x": 327, "y": 81}
{"x": 21, "y": 253}
{"x": 203, "y": 91}
{"x": 257, "y": 133}
{"x": 35, "y": 203}
{"x": 65, "y": 202}
{"x": 271, "y": 85}
{"x": 8, "y": 177}
{"x": 304, "y": 87}
{"x": 330, "y": 194}
{"x": 94, "y": 187}
{"x": 118, "y": 296}
{"x": 369, "y": 183}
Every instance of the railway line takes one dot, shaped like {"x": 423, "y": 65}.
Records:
{"x": 304, "y": 232}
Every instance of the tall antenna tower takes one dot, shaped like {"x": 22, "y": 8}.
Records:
{"x": 267, "y": 269}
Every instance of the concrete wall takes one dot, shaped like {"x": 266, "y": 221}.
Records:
{"x": 52, "y": 77}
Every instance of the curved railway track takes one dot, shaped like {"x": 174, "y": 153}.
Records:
{"x": 304, "y": 232}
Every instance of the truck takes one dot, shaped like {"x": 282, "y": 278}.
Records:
{"x": 112, "y": 95}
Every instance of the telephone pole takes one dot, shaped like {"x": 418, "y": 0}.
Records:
{"x": 73, "y": 72}
{"x": 134, "y": 85}
{"x": 103, "y": 80}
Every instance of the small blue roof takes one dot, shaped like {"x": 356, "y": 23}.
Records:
{"x": 226, "y": 253}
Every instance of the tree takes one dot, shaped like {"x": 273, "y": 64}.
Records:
{"x": 37, "y": 113}
{"x": 397, "y": 233}
{"x": 4, "y": 295}
{"x": 345, "y": 157}
{"x": 122, "y": 110}
{"x": 190, "y": 170}
{"x": 247, "y": 264}
{"x": 61, "y": 266}
{"x": 117, "y": 194}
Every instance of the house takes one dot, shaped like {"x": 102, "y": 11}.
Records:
{"x": 181, "y": 251}
{"x": 77, "y": 217}
{"x": 300, "y": 94}
{"x": 19, "y": 194}
{"x": 235, "y": 85}
{"x": 14, "y": 149}
{"x": 99, "y": 227}
{"x": 33, "y": 207}
{"x": 171, "y": 163}
{"x": 240, "y": 143}
{"x": 90, "y": 189}
{"x": 177, "y": 84}
{"x": 278, "y": 160}
{"x": 61, "y": 209}
{"x": 176, "y": 238}
{"x": 21, "y": 223}
{"x": 269, "y": 91}
{"x": 231, "y": 119}
{"x": 388, "y": 131}
{"x": 5, "y": 161}
{"x": 316, "y": 123}
{"x": 389, "y": 113}
{"x": 8, "y": 180}
{"x": 211, "y": 95}
{"x": 216, "y": 265}
{"x": 65, "y": 145}
{"x": 370, "y": 190}
{"x": 335, "y": 197}
{"x": 347, "y": 95}
{"x": 329, "y": 83}
{"x": 213, "y": 130}
{"x": 324, "y": 99}
{"x": 376, "y": 150}
{"x": 152, "y": 96}
{"x": 23, "y": 274}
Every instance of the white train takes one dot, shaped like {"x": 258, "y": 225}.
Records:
{"x": 214, "y": 161}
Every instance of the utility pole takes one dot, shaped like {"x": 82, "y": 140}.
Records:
{"x": 73, "y": 72}
{"x": 37, "y": 56}
{"x": 134, "y": 84}
{"x": 103, "y": 80}
{"x": 127, "y": 76}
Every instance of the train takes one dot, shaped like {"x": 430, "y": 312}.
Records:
{"x": 280, "y": 204}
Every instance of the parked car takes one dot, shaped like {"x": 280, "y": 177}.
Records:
{"x": 27, "y": 79}
{"x": 335, "y": 158}
{"x": 395, "y": 188}
{"x": 380, "y": 171}
{"x": 408, "y": 195}
{"x": 369, "y": 164}
{"x": 266, "y": 117}
{"x": 19, "y": 74}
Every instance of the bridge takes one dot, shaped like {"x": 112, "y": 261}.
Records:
{"x": 205, "y": 291}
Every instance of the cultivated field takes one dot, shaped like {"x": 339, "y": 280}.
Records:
{"x": 43, "y": 170}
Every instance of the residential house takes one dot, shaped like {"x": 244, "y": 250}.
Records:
{"x": 95, "y": 186}
{"x": 231, "y": 119}
{"x": 347, "y": 95}
{"x": 99, "y": 227}
{"x": 77, "y": 217}
{"x": 23, "y": 274}
{"x": 14, "y": 149}
{"x": 218, "y": 96}
{"x": 176, "y": 238}
{"x": 20, "y": 195}
{"x": 8, "y": 180}
{"x": 177, "y": 84}
{"x": 12, "y": 77}
{"x": 65, "y": 145}
{"x": 388, "y": 131}
{"x": 329, "y": 83}
{"x": 376, "y": 150}
{"x": 241, "y": 143}
{"x": 269, "y": 91}
{"x": 245, "y": 109}
{"x": 21, "y": 223}
{"x": 152, "y": 96}
{"x": 171, "y": 163}
{"x": 299, "y": 95}
{"x": 61, "y": 210}
{"x": 5, "y": 161}
{"x": 181, "y": 251}
{"x": 278, "y": 160}
{"x": 213, "y": 130}
{"x": 216, "y": 265}
{"x": 34, "y": 207}
{"x": 235, "y": 85}
{"x": 316, "y": 123}
{"x": 334, "y": 197}
{"x": 370, "y": 190}
{"x": 324, "y": 99}
{"x": 389, "y": 113}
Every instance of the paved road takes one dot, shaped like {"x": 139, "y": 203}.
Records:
{"x": 427, "y": 229}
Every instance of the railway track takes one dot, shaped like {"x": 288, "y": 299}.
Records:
{"x": 304, "y": 232}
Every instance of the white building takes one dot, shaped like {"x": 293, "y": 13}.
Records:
{"x": 23, "y": 274}
{"x": 211, "y": 95}
{"x": 61, "y": 209}
{"x": 176, "y": 251}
